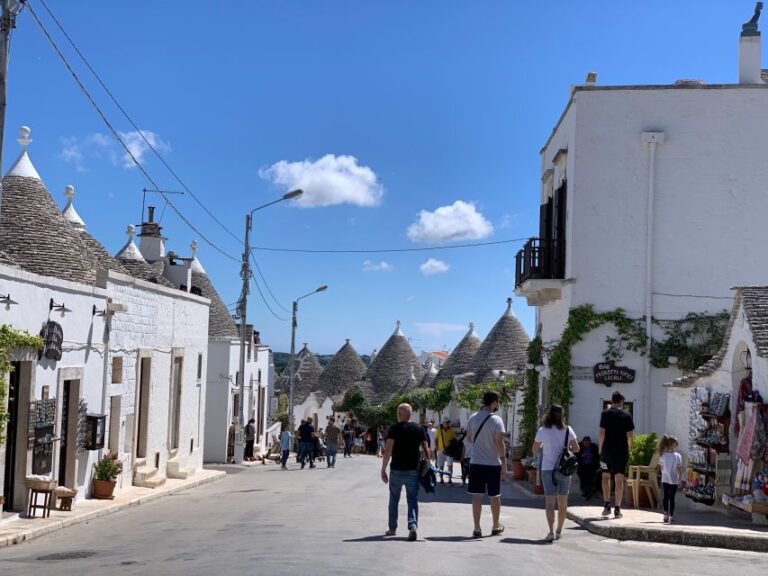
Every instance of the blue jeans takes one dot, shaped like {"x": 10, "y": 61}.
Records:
{"x": 307, "y": 450}
{"x": 409, "y": 479}
{"x": 348, "y": 448}
{"x": 284, "y": 457}
{"x": 330, "y": 454}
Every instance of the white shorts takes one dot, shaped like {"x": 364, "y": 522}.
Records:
{"x": 443, "y": 459}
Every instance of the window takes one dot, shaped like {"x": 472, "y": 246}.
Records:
{"x": 117, "y": 370}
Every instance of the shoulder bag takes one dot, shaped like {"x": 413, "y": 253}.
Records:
{"x": 567, "y": 463}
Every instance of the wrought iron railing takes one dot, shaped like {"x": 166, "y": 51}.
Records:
{"x": 540, "y": 259}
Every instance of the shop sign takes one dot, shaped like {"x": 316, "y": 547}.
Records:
{"x": 608, "y": 373}
{"x": 53, "y": 337}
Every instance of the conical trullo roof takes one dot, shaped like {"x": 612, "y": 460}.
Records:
{"x": 130, "y": 257}
{"x": 390, "y": 371}
{"x": 344, "y": 370}
{"x": 308, "y": 370}
{"x": 459, "y": 360}
{"x": 505, "y": 347}
{"x": 33, "y": 231}
{"x": 429, "y": 376}
{"x": 221, "y": 325}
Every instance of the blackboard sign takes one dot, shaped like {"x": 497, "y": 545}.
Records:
{"x": 42, "y": 455}
{"x": 41, "y": 413}
{"x": 53, "y": 337}
{"x": 608, "y": 373}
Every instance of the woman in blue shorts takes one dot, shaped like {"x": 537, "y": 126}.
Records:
{"x": 550, "y": 441}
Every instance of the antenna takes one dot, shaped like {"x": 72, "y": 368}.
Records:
{"x": 155, "y": 191}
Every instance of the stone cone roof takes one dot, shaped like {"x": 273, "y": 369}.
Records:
{"x": 308, "y": 370}
{"x": 505, "y": 348}
{"x": 460, "y": 359}
{"x": 428, "y": 379}
{"x": 131, "y": 259}
{"x": 35, "y": 234}
{"x": 345, "y": 369}
{"x": 221, "y": 325}
{"x": 390, "y": 370}
{"x": 105, "y": 259}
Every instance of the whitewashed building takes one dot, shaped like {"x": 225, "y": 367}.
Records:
{"x": 652, "y": 200}
{"x": 122, "y": 339}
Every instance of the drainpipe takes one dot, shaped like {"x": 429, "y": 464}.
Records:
{"x": 652, "y": 139}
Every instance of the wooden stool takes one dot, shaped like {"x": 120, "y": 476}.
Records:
{"x": 45, "y": 506}
{"x": 65, "y": 496}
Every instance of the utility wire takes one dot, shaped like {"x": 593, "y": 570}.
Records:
{"x": 135, "y": 126}
{"x": 117, "y": 136}
{"x": 256, "y": 281}
{"x": 383, "y": 250}
{"x": 266, "y": 285}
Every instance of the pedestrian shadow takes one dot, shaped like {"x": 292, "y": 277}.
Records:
{"x": 451, "y": 538}
{"x": 537, "y": 541}
{"x": 378, "y": 538}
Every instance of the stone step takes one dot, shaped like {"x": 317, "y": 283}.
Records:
{"x": 148, "y": 477}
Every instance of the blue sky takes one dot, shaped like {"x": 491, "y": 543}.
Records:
{"x": 408, "y": 124}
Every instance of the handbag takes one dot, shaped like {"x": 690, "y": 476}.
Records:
{"x": 567, "y": 463}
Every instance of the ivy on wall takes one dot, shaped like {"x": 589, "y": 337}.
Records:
{"x": 693, "y": 340}
{"x": 11, "y": 339}
{"x": 529, "y": 421}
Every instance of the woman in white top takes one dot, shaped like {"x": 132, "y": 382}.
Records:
{"x": 671, "y": 464}
{"x": 550, "y": 441}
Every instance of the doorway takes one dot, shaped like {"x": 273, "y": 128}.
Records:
{"x": 9, "y": 477}
{"x": 142, "y": 397}
{"x": 70, "y": 404}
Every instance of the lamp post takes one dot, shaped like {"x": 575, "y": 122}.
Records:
{"x": 242, "y": 304}
{"x": 291, "y": 368}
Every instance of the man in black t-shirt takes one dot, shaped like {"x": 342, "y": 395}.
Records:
{"x": 306, "y": 443}
{"x": 615, "y": 440}
{"x": 406, "y": 443}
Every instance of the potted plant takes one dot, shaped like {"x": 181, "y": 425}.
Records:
{"x": 105, "y": 473}
{"x": 641, "y": 454}
{"x": 518, "y": 470}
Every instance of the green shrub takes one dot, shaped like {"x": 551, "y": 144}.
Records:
{"x": 643, "y": 447}
{"x": 108, "y": 468}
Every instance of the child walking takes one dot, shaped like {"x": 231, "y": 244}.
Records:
{"x": 671, "y": 464}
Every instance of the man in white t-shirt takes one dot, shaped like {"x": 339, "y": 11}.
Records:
{"x": 488, "y": 462}
{"x": 432, "y": 433}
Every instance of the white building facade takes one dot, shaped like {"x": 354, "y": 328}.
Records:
{"x": 651, "y": 201}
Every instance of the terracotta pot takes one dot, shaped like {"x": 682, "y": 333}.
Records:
{"x": 518, "y": 470}
{"x": 537, "y": 488}
{"x": 103, "y": 489}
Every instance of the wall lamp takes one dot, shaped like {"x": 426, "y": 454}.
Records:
{"x": 97, "y": 312}
{"x": 59, "y": 307}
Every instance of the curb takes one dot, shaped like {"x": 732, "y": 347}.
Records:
{"x": 744, "y": 542}
{"x": 79, "y": 519}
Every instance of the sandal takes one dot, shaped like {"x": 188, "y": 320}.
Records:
{"x": 477, "y": 534}
{"x": 498, "y": 530}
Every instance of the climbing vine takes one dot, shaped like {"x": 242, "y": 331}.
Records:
{"x": 692, "y": 339}
{"x": 529, "y": 421}
{"x": 11, "y": 339}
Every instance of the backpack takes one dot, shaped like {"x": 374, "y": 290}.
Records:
{"x": 454, "y": 448}
{"x": 567, "y": 463}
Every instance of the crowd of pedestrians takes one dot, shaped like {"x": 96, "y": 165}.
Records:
{"x": 407, "y": 450}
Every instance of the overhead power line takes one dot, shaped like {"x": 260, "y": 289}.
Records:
{"x": 266, "y": 285}
{"x": 385, "y": 250}
{"x": 135, "y": 126}
{"x": 114, "y": 132}
{"x": 256, "y": 281}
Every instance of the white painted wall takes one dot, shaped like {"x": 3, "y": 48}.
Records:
{"x": 710, "y": 197}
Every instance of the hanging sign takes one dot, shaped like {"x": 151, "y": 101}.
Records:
{"x": 53, "y": 337}
{"x": 608, "y": 373}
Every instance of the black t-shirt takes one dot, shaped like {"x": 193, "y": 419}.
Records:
{"x": 616, "y": 422}
{"x": 347, "y": 432}
{"x": 305, "y": 432}
{"x": 408, "y": 437}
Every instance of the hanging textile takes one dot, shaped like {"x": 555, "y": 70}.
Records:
{"x": 745, "y": 391}
{"x": 742, "y": 484}
{"x": 744, "y": 448}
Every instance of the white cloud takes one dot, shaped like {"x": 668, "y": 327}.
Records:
{"x": 329, "y": 181}
{"x": 410, "y": 298}
{"x": 382, "y": 266}
{"x": 138, "y": 143}
{"x": 507, "y": 220}
{"x": 459, "y": 221}
{"x": 434, "y": 266}
{"x": 99, "y": 145}
{"x": 437, "y": 329}
{"x": 72, "y": 153}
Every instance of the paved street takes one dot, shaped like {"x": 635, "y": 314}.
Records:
{"x": 267, "y": 521}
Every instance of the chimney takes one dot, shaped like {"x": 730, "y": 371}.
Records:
{"x": 749, "y": 50}
{"x": 151, "y": 242}
{"x": 591, "y": 79}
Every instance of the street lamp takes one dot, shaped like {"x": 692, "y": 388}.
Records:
{"x": 291, "y": 368}
{"x": 242, "y": 304}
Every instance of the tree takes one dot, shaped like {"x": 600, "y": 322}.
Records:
{"x": 441, "y": 395}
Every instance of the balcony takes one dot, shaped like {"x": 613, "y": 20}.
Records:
{"x": 540, "y": 271}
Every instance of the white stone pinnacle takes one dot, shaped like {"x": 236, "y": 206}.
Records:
{"x": 69, "y": 212}
{"x": 23, "y": 165}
